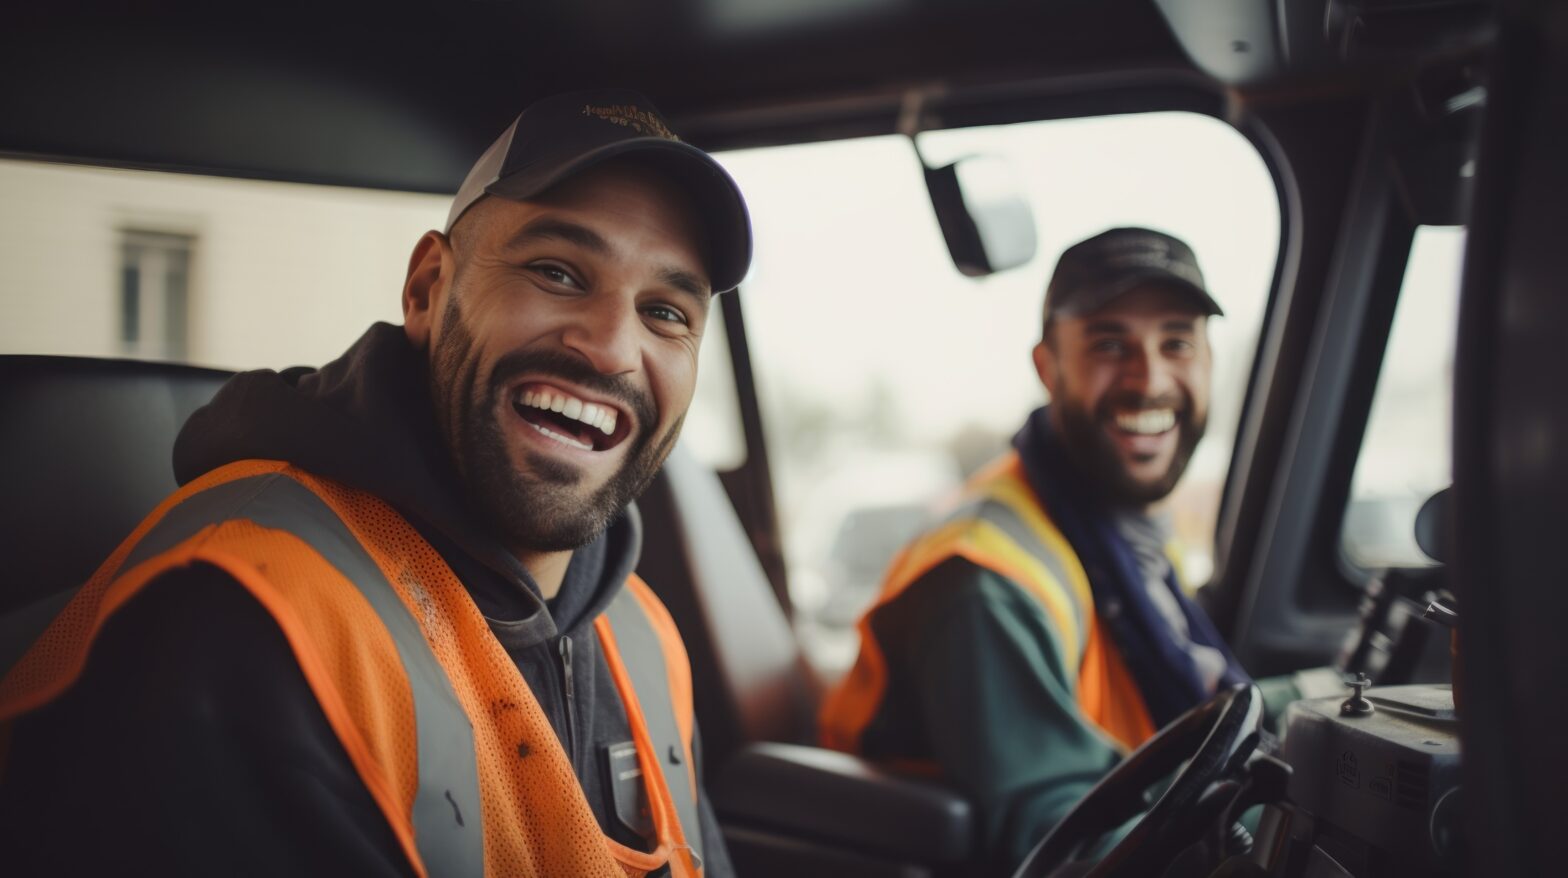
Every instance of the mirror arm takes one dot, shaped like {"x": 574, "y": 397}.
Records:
{"x": 911, "y": 118}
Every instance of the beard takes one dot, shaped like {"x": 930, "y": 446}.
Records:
{"x": 541, "y": 506}
{"x": 1083, "y": 434}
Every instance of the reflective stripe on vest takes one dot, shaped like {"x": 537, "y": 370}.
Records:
{"x": 1070, "y": 614}
{"x": 634, "y": 635}
{"x": 254, "y": 516}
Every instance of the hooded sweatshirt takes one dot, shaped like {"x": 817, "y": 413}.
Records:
{"x": 192, "y": 743}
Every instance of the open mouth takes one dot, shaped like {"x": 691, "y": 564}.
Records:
{"x": 569, "y": 419}
{"x": 1147, "y": 422}
{"x": 1143, "y": 434}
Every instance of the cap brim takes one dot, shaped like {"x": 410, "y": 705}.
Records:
{"x": 720, "y": 206}
{"x": 1099, "y": 295}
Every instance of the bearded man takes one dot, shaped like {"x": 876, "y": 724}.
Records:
{"x": 389, "y": 624}
{"x": 1039, "y": 633}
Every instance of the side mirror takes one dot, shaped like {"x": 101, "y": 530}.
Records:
{"x": 986, "y": 222}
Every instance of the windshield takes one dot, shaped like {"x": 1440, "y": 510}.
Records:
{"x": 885, "y": 376}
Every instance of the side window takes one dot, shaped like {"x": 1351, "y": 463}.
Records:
{"x": 712, "y": 432}
{"x": 885, "y": 377}
{"x": 1406, "y": 453}
{"x": 239, "y": 274}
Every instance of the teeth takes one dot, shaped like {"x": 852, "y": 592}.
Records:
{"x": 601, "y": 418}
{"x": 565, "y": 440}
{"x": 1147, "y": 423}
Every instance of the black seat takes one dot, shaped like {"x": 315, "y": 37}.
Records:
{"x": 750, "y": 679}
{"x": 787, "y": 808}
{"x": 86, "y": 447}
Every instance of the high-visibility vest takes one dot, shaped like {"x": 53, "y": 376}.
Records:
{"x": 435, "y": 717}
{"x": 999, "y": 525}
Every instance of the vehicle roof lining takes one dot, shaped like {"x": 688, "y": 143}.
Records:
{"x": 406, "y": 102}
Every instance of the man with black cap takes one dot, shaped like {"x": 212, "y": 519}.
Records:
{"x": 1039, "y": 633}
{"x": 389, "y": 624}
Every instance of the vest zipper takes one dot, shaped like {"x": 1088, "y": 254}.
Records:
{"x": 571, "y": 711}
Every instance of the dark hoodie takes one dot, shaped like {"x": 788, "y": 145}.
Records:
{"x": 192, "y": 743}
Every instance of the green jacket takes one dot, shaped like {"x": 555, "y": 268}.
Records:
{"x": 983, "y": 663}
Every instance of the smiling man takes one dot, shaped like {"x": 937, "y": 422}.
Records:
{"x": 1022, "y": 646}
{"x": 389, "y": 624}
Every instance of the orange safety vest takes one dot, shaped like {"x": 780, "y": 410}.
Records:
{"x": 1000, "y": 525}
{"x": 433, "y": 714}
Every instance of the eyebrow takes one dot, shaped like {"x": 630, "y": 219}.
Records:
{"x": 687, "y": 282}
{"x": 1116, "y": 327}
{"x": 550, "y": 229}
{"x": 1105, "y": 327}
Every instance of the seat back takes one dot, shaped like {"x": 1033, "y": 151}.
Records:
{"x": 751, "y": 682}
{"x": 785, "y": 810}
{"x": 85, "y": 452}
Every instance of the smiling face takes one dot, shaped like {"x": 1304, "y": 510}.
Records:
{"x": 563, "y": 334}
{"x": 1129, "y": 388}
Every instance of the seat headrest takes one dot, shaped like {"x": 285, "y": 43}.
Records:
{"x": 85, "y": 454}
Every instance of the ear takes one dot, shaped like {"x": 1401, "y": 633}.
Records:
{"x": 430, "y": 271}
{"x": 1045, "y": 366}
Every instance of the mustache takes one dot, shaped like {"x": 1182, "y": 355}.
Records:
{"x": 1138, "y": 402}
{"x": 565, "y": 366}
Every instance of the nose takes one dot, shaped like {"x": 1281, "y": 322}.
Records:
{"x": 1149, "y": 374}
{"x": 607, "y": 333}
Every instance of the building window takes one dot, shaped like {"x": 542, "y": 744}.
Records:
{"x": 155, "y": 270}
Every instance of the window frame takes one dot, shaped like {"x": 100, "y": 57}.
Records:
{"x": 1296, "y": 595}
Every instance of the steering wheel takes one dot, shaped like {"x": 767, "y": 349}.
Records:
{"x": 1218, "y": 736}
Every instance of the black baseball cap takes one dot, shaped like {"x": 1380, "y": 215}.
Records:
{"x": 559, "y": 136}
{"x": 1092, "y": 272}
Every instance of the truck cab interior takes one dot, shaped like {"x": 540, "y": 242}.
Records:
{"x": 1380, "y": 132}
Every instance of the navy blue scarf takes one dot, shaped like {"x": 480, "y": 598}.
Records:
{"x": 1166, "y": 675}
